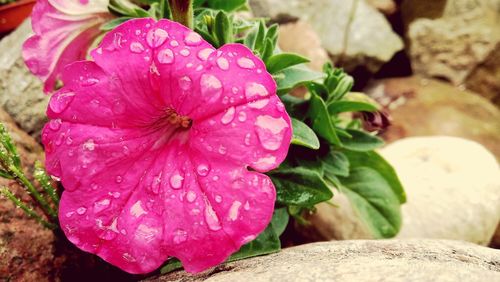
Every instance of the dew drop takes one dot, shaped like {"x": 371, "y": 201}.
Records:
{"x": 118, "y": 179}
{"x": 247, "y": 206}
{"x": 218, "y": 199}
{"x": 223, "y": 63}
{"x": 205, "y": 53}
{"x": 234, "y": 210}
{"x": 185, "y": 52}
{"x": 60, "y": 102}
{"x": 176, "y": 181}
{"x": 174, "y": 43}
{"x": 248, "y": 138}
{"x": 81, "y": 210}
{"x": 115, "y": 195}
{"x": 89, "y": 145}
{"x": 211, "y": 87}
{"x": 89, "y": 81}
{"x": 203, "y": 170}
{"x": 259, "y": 104}
{"x": 192, "y": 39}
{"x": 265, "y": 163}
{"x": 180, "y": 236}
{"x": 136, "y": 47}
{"x": 165, "y": 56}
{"x": 101, "y": 205}
{"x": 228, "y": 116}
{"x": 137, "y": 210}
{"x": 156, "y": 37}
{"x": 222, "y": 150}
{"x": 253, "y": 89}
{"x": 185, "y": 83}
{"x": 55, "y": 124}
{"x": 211, "y": 218}
{"x": 246, "y": 63}
{"x": 191, "y": 196}
{"x": 69, "y": 140}
{"x": 155, "y": 185}
{"x": 242, "y": 116}
{"x": 270, "y": 131}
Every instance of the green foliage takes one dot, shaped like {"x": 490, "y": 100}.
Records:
{"x": 10, "y": 168}
{"x": 303, "y": 135}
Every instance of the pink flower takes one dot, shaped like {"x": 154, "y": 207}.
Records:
{"x": 64, "y": 31}
{"x": 161, "y": 144}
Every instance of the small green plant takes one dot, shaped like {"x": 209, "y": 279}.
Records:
{"x": 11, "y": 168}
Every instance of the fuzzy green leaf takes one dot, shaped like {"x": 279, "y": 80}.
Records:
{"x": 303, "y": 135}
{"x": 350, "y": 106}
{"x": 361, "y": 141}
{"x": 321, "y": 121}
{"x": 226, "y": 5}
{"x": 336, "y": 163}
{"x": 300, "y": 187}
{"x": 373, "y": 199}
{"x": 282, "y": 61}
{"x": 223, "y": 29}
{"x": 373, "y": 160}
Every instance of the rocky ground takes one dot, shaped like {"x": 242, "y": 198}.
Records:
{"x": 433, "y": 65}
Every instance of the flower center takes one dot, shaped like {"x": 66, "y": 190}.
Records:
{"x": 177, "y": 120}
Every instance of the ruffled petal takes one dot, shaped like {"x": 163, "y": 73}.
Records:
{"x": 64, "y": 31}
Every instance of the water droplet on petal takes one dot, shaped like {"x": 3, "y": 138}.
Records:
{"x": 55, "y": 124}
{"x": 156, "y": 37}
{"x": 185, "y": 83}
{"x": 89, "y": 81}
{"x": 185, "y": 52}
{"x": 218, "y": 199}
{"x": 128, "y": 257}
{"x": 203, "y": 170}
{"x": 234, "y": 210}
{"x": 81, "y": 210}
{"x": 176, "y": 181}
{"x": 255, "y": 89}
{"x": 242, "y": 116}
{"x": 248, "y": 138}
{"x": 180, "y": 236}
{"x": 174, "y": 43}
{"x": 191, "y": 196}
{"x": 247, "y": 206}
{"x": 137, "y": 210}
{"x": 118, "y": 179}
{"x": 193, "y": 39}
{"x": 259, "y": 104}
{"x": 69, "y": 140}
{"x": 89, "y": 145}
{"x": 136, "y": 47}
{"x": 205, "y": 53}
{"x": 228, "y": 116}
{"x": 270, "y": 131}
{"x": 211, "y": 87}
{"x": 222, "y": 150}
{"x": 60, "y": 102}
{"x": 223, "y": 63}
{"x": 211, "y": 218}
{"x": 265, "y": 163}
{"x": 101, "y": 205}
{"x": 246, "y": 63}
{"x": 165, "y": 56}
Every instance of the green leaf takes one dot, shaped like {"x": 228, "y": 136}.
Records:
{"x": 223, "y": 29}
{"x": 284, "y": 60}
{"x": 372, "y": 197}
{"x": 344, "y": 85}
{"x": 375, "y": 161}
{"x": 5, "y": 174}
{"x": 361, "y": 141}
{"x": 226, "y": 5}
{"x": 294, "y": 76}
{"x": 350, "y": 106}
{"x": 321, "y": 121}
{"x": 300, "y": 187}
{"x": 267, "y": 242}
{"x": 336, "y": 163}
{"x": 303, "y": 135}
{"x": 114, "y": 23}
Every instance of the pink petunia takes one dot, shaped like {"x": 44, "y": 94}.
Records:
{"x": 161, "y": 144}
{"x": 64, "y": 31}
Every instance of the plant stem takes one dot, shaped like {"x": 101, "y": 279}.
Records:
{"x": 21, "y": 178}
{"x": 28, "y": 210}
{"x": 182, "y": 12}
{"x": 44, "y": 180}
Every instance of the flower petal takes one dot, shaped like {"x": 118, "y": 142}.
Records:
{"x": 139, "y": 189}
{"x": 64, "y": 30}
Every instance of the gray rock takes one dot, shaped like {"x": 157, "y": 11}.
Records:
{"x": 389, "y": 260}
{"x": 368, "y": 40}
{"x": 21, "y": 93}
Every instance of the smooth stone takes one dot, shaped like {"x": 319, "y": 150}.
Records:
{"x": 361, "y": 260}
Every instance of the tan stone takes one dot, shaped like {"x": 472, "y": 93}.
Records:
{"x": 308, "y": 46}
{"x": 361, "y": 260}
